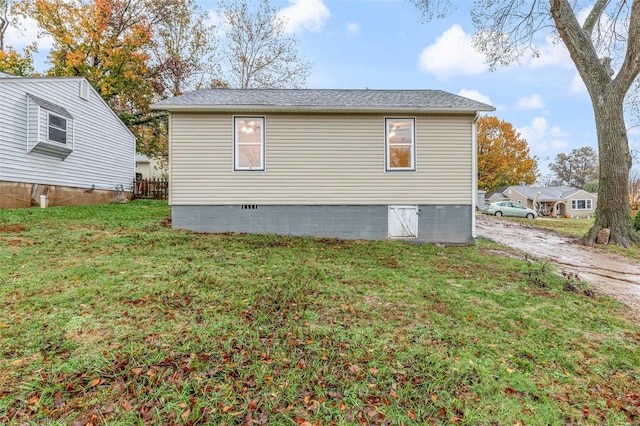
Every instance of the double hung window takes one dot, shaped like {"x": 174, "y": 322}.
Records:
{"x": 400, "y": 144}
{"x": 57, "y": 128}
{"x": 249, "y": 143}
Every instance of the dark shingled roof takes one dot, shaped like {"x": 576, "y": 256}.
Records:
{"x": 321, "y": 99}
{"x": 547, "y": 193}
{"x": 50, "y": 106}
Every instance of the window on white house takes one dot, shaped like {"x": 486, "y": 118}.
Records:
{"x": 581, "y": 205}
{"x": 57, "y": 128}
{"x": 400, "y": 144}
{"x": 249, "y": 143}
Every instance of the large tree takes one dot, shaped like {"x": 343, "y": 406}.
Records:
{"x": 506, "y": 30}
{"x": 503, "y": 156}
{"x": 576, "y": 168}
{"x": 132, "y": 51}
{"x": 102, "y": 40}
{"x": 183, "y": 50}
{"x": 256, "y": 52}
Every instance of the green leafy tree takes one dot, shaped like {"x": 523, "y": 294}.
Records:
{"x": 636, "y": 222}
{"x": 592, "y": 186}
{"x": 505, "y": 31}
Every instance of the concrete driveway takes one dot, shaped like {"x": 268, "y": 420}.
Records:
{"x": 611, "y": 274}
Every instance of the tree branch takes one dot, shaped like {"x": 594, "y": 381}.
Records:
{"x": 594, "y": 16}
{"x": 631, "y": 66}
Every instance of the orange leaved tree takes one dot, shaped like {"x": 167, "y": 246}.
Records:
{"x": 503, "y": 156}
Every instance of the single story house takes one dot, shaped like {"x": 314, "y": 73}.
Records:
{"x": 554, "y": 201}
{"x": 354, "y": 164}
{"x": 60, "y": 140}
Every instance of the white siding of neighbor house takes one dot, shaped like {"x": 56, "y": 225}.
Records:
{"x": 104, "y": 149}
{"x": 32, "y": 123}
{"x": 320, "y": 159}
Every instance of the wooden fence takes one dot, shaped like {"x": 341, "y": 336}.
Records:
{"x": 157, "y": 189}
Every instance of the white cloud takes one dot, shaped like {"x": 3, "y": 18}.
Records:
{"x": 353, "y": 28}
{"x": 18, "y": 39}
{"x": 577, "y": 85}
{"x": 305, "y": 15}
{"x": 452, "y": 54}
{"x": 219, "y": 22}
{"x": 531, "y": 102}
{"x": 552, "y": 54}
{"x": 475, "y": 95}
{"x": 542, "y": 138}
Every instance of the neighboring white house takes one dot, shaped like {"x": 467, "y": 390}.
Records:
{"x": 58, "y": 138}
{"x": 150, "y": 168}
{"x": 555, "y": 201}
{"x": 359, "y": 164}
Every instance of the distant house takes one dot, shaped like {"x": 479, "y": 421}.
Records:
{"x": 149, "y": 168}
{"x": 58, "y": 138}
{"x": 560, "y": 201}
{"x": 357, "y": 164}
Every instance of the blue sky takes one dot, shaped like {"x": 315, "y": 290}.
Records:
{"x": 383, "y": 44}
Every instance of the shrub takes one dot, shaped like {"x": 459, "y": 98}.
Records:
{"x": 636, "y": 222}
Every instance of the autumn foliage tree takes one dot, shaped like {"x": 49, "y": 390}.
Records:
{"x": 503, "y": 156}
{"x": 14, "y": 63}
{"x": 102, "y": 40}
{"x": 105, "y": 41}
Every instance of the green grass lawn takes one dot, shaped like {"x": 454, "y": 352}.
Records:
{"x": 573, "y": 227}
{"x": 107, "y": 316}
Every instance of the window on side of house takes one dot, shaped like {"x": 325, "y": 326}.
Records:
{"x": 581, "y": 205}
{"x": 57, "y": 128}
{"x": 400, "y": 142}
{"x": 249, "y": 143}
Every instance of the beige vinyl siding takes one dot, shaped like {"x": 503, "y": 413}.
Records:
{"x": 515, "y": 196}
{"x": 320, "y": 159}
{"x": 581, "y": 195}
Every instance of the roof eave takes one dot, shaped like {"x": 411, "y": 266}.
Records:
{"x": 313, "y": 108}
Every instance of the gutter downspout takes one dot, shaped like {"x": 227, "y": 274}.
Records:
{"x": 474, "y": 173}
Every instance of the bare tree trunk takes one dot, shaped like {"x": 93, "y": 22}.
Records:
{"x": 613, "y": 210}
{"x": 607, "y": 97}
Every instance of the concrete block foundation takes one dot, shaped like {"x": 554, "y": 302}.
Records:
{"x": 437, "y": 224}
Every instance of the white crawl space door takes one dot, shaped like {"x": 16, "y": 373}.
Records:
{"x": 403, "y": 221}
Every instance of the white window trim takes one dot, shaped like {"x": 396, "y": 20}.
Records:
{"x": 387, "y": 159}
{"x": 588, "y": 204}
{"x": 236, "y": 143}
{"x": 67, "y": 122}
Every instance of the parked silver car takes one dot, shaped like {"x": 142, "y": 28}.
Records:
{"x": 509, "y": 208}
